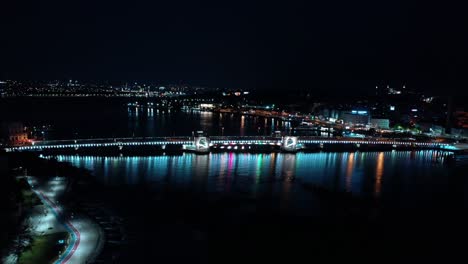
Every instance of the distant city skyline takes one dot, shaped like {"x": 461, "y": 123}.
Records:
{"x": 341, "y": 46}
{"x": 380, "y": 88}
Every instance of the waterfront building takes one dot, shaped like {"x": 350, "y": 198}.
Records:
{"x": 383, "y": 123}
{"x": 14, "y": 133}
{"x": 356, "y": 117}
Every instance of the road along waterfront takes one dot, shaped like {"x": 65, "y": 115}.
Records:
{"x": 84, "y": 234}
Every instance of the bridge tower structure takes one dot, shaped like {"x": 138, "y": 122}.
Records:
{"x": 289, "y": 144}
{"x": 201, "y": 144}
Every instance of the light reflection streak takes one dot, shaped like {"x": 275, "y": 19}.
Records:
{"x": 229, "y": 171}
{"x": 349, "y": 172}
{"x": 379, "y": 173}
{"x": 222, "y": 174}
{"x": 258, "y": 169}
{"x": 289, "y": 172}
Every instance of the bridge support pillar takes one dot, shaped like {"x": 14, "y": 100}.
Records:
{"x": 289, "y": 144}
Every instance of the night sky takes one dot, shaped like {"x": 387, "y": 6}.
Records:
{"x": 336, "y": 45}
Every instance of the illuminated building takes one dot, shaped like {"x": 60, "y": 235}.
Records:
{"x": 14, "y": 134}
{"x": 206, "y": 106}
{"x": 383, "y": 123}
{"x": 356, "y": 117}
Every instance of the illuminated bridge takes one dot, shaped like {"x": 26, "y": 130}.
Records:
{"x": 202, "y": 144}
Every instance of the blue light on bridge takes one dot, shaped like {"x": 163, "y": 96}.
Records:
{"x": 234, "y": 141}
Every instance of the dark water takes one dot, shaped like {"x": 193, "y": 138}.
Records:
{"x": 406, "y": 177}
{"x": 96, "y": 118}
{"x": 202, "y": 208}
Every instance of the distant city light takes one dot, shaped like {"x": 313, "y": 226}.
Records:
{"x": 206, "y": 105}
{"x": 428, "y": 99}
{"x": 359, "y": 112}
{"x": 392, "y": 108}
{"x": 414, "y": 110}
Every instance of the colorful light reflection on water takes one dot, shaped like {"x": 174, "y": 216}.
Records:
{"x": 399, "y": 174}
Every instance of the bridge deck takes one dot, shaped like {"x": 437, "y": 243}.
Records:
{"x": 222, "y": 140}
